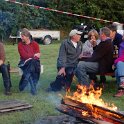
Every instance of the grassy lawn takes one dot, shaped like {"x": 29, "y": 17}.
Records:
{"x": 44, "y": 103}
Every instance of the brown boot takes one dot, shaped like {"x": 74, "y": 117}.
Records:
{"x": 119, "y": 93}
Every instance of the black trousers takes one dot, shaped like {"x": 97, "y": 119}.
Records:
{"x": 6, "y": 76}
{"x": 61, "y": 80}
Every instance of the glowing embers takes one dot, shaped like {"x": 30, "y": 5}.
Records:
{"x": 87, "y": 105}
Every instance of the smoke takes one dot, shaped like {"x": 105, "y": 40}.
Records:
{"x": 55, "y": 98}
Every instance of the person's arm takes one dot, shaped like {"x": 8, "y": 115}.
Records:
{"x": 119, "y": 59}
{"x": 121, "y": 54}
{"x": 62, "y": 71}
{"x": 37, "y": 55}
{"x": 100, "y": 51}
{"x": 37, "y": 50}
{"x": 61, "y": 61}
{"x": 1, "y": 62}
{"x": 87, "y": 49}
{"x": 23, "y": 54}
{"x": 2, "y": 54}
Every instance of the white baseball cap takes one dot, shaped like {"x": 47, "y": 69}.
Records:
{"x": 74, "y": 32}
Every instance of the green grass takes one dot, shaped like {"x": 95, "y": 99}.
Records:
{"x": 44, "y": 103}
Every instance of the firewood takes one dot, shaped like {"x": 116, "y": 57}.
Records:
{"x": 105, "y": 113}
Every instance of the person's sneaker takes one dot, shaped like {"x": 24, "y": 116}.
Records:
{"x": 119, "y": 93}
{"x": 122, "y": 85}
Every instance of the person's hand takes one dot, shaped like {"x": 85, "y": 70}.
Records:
{"x": 123, "y": 37}
{"x": 93, "y": 42}
{"x": 62, "y": 71}
{"x": 1, "y": 62}
{"x": 37, "y": 55}
{"x": 113, "y": 67}
{"x": 80, "y": 56}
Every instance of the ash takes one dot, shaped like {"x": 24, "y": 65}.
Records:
{"x": 61, "y": 119}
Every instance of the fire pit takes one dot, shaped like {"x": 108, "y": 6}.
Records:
{"x": 61, "y": 119}
{"x": 86, "y": 105}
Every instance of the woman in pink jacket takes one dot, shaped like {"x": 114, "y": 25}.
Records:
{"x": 119, "y": 72}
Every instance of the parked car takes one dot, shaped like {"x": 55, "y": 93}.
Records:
{"x": 120, "y": 28}
{"x": 44, "y": 36}
{"x": 85, "y": 28}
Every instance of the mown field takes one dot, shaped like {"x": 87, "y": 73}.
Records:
{"x": 44, "y": 103}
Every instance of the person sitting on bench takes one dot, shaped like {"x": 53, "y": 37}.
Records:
{"x": 119, "y": 71}
{"x": 69, "y": 52}
{"x": 100, "y": 62}
{"x": 4, "y": 70}
{"x": 29, "y": 61}
{"x": 88, "y": 48}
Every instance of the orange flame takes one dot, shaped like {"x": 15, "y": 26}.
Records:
{"x": 91, "y": 96}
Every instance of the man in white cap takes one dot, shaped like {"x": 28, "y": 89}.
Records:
{"x": 67, "y": 61}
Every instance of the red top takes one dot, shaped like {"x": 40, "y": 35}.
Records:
{"x": 27, "y": 51}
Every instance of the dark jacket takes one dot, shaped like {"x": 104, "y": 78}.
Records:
{"x": 68, "y": 54}
{"x": 117, "y": 40}
{"x": 32, "y": 67}
{"x": 103, "y": 54}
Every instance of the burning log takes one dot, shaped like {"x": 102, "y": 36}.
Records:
{"x": 86, "y": 104}
{"x": 85, "y": 111}
{"x": 77, "y": 113}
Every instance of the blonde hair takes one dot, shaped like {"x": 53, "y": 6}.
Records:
{"x": 93, "y": 31}
{"x": 25, "y": 32}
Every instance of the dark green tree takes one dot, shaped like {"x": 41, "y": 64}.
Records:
{"x": 34, "y": 18}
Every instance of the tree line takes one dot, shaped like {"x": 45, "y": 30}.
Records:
{"x": 13, "y": 16}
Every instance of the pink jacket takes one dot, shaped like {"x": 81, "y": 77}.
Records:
{"x": 121, "y": 54}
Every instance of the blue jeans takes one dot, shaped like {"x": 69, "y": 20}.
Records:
{"x": 31, "y": 74}
{"x": 119, "y": 72}
{"x": 83, "y": 69}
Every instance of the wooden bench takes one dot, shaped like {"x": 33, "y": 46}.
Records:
{"x": 11, "y": 69}
{"x": 108, "y": 74}
{"x": 103, "y": 78}
{"x": 14, "y": 70}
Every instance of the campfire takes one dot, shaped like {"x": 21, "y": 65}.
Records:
{"x": 86, "y": 105}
